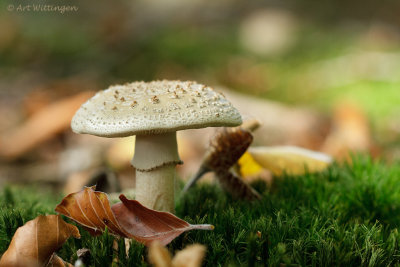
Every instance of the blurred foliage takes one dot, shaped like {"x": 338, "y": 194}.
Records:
{"x": 335, "y": 51}
{"x": 134, "y": 42}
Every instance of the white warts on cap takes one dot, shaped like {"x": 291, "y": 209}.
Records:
{"x": 165, "y": 106}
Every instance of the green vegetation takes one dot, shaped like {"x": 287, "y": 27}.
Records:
{"x": 345, "y": 216}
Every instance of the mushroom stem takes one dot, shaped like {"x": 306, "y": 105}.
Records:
{"x": 155, "y": 159}
{"x": 155, "y": 189}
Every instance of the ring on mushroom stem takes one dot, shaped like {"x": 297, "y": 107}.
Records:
{"x": 154, "y": 111}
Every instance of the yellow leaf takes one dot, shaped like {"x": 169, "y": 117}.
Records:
{"x": 248, "y": 166}
{"x": 290, "y": 159}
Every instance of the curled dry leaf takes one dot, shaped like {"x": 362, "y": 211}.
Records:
{"x": 35, "y": 242}
{"x": 236, "y": 186}
{"x": 225, "y": 149}
{"x": 191, "y": 256}
{"x": 290, "y": 159}
{"x": 128, "y": 219}
{"x": 91, "y": 209}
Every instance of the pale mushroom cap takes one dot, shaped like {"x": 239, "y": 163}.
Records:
{"x": 152, "y": 108}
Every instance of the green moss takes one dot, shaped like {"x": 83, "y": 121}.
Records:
{"x": 345, "y": 216}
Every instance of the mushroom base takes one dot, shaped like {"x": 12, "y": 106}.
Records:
{"x": 155, "y": 189}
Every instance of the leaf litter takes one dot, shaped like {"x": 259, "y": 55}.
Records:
{"x": 127, "y": 219}
{"x": 35, "y": 242}
{"x": 225, "y": 149}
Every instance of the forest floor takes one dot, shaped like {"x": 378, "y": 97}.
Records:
{"x": 347, "y": 215}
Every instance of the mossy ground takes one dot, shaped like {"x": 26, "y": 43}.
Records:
{"x": 345, "y": 216}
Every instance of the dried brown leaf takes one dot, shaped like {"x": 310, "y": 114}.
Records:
{"x": 56, "y": 261}
{"x": 350, "y": 132}
{"x": 91, "y": 209}
{"x": 236, "y": 186}
{"x": 191, "y": 256}
{"x": 127, "y": 219}
{"x": 226, "y": 148}
{"x": 43, "y": 125}
{"x": 147, "y": 225}
{"x": 34, "y": 243}
{"x": 159, "y": 255}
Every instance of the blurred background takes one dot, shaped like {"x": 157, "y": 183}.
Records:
{"x": 324, "y": 75}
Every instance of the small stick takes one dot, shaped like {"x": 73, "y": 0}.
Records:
{"x": 202, "y": 170}
{"x": 127, "y": 246}
{"x": 250, "y": 125}
{"x": 115, "y": 261}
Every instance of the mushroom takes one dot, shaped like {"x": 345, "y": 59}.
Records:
{"x": 154, "y": 111}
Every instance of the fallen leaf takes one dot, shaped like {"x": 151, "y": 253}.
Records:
{"x": 146, "y": 225}
{"x": 226, "y": 148}
{"x": 49, "y": 92}
{"x": 191, "y": 256}
{"x": 224, "y": 151}
{"x": 250, "y": 170}
{"x": 41, "y": 126}
{"x": 128, "y": 219}
{"x": 236, "y": 186}
{"x": 248, "y": 166}
{"x": 34, "y": 243}
{"x": 159, "y": 255}
{"x": 350, "y": 132}
{"x": 289, "y": 159}
{"x": 91, "y": 209}
{"x": 56, "y": 261}
{"x": 35, "y": 101}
